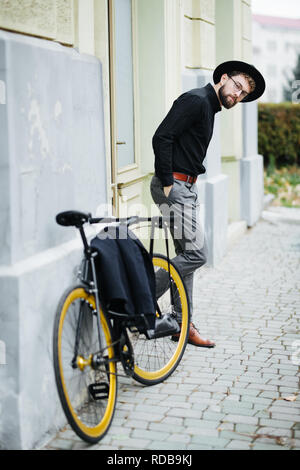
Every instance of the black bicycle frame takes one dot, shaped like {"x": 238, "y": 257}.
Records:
{"x": 93, "y": 288}
{"x": 161, "y": 224}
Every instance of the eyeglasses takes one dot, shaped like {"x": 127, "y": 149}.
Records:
{"x": 238, "y": 87}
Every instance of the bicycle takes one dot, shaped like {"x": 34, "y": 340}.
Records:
{"x": 89, "y": 339}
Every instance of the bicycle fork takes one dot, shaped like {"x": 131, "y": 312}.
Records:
{"x": 79, "y": 361}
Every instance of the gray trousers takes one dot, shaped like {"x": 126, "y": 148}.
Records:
{"x": 187, "y": 233}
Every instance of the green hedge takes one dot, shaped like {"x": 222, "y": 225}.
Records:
{"x": 279, "y": 134}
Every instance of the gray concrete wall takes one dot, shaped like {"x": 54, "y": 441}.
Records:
{"x": 52, "y": 158}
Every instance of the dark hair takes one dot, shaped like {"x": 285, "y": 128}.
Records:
{"x": 250, "y": 80}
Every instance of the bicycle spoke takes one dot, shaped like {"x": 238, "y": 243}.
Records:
{"x": 157, "y": 358}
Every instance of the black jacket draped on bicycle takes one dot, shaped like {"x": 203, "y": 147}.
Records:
{"x": 125, "y": 273}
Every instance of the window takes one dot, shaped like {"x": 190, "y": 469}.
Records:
{"x": 271, "y": 46}
{"x": 272, "y": 70}
{"x": 272, "y": 95}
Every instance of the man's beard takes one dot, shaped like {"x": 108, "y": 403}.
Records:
{"x": 226, "y": 100}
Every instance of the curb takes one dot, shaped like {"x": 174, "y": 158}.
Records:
{"x": 282, "y": 214}
{"x": 268, "y": 199}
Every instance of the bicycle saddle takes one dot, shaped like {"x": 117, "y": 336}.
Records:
{"x": 72, "y": 218}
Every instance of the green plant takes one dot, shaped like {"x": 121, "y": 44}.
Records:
{"x": 279, "y": 134}
{"x": 284, "y": 185}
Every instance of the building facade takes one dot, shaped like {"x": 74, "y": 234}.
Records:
{"x": 276, "y": 46}
{"x": 83, "y": 86}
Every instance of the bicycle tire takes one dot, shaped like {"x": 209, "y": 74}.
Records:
{"x": 89, "y": 416}
{"x": 157, "y": 359}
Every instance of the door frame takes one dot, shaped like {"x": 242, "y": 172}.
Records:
{"x": 131, "y": 172}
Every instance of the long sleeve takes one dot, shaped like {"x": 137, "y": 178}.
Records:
{"x": 184, "y": 112}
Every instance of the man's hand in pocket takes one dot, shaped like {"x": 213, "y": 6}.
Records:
{"x": 167, "y": 190}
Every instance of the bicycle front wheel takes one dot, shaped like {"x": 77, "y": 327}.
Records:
{"x": 156, "y": 359}
{"x": 87, "y": 393}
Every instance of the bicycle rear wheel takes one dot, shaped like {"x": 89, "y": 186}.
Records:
{"x": 156, "y": 359}
{"x": 87, "y": 393}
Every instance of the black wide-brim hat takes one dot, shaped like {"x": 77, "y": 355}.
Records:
{"x": 236, "y": 65}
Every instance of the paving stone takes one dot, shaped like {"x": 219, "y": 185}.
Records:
{"x": 131, "y": 442}
{"x": 85, "y": 446}
{"x": 145, "y": 416}
{"x": 289, "y": 417}
{"x": 262, "y": 446}
{"x": 262, "y": 386}
{"x": 105, "y": 447}
{"x": 239, "y": 436}
{"x": 198, "y": 447}
{"x": 285, "y": 406}
{"x": 168, "y": 428}
{"x": 167, "y": 445}
{"x": 118, "y": 432}
{"x": 245, "y": 391}
{"x": 213, "y": 416}
{"x": 256, "y": 400}
{"x": 224, "y": 425}
{"x": 176, "y": 398}
{"x": 246, "y": 428}
{"x": 269, "y": 394}
{"x": 179, "y": 438}
{"x": 62, "y": 444}
{"x": 202, "y": 423}
{"x": 152, "y": 435}
{"x": 69, "y": 434}
{"x": 215, "y": 442}
{"x": 238, "y": 445}
{"x": 205, "y": 403}
{"x": 173, "y": 421}
{"x": 241, "y": 419}
{"x": 243, "y": 407}
{"x": 182, "y": 412}
{"x": 162, "y": 410}
{"x": 133, "y": 424}
{"x": 276, "y": 423}
{"x": 274, "y": 431}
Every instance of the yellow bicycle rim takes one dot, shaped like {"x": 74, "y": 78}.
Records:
{"x": 95, "y": 431}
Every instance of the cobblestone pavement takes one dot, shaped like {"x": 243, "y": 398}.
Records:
{"x": 244, "y": 393}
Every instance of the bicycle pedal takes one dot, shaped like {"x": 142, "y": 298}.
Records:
{"x": 99, "y": 390}
{"x": 166, "y": 325}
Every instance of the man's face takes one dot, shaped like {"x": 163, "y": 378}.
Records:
{"x": 234, "y": 90}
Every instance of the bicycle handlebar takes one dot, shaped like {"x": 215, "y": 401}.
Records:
{"x": 135, "y": 219}
{"x": 78, "y": 219}
{"x": 129, "y": 220}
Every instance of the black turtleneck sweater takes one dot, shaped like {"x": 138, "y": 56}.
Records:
{"x": 180, "y": 142}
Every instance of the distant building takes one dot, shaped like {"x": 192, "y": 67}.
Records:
{"x": 276, "y": 44}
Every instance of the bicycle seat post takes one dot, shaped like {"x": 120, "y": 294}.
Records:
{"x": 87, "y": 249}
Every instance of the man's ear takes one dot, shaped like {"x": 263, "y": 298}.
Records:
{"x": 223, "y": 78}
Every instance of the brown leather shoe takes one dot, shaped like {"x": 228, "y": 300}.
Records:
{"x": 195, "y": 339}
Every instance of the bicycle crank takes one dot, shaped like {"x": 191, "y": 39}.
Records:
{"x": 82, "y": 363}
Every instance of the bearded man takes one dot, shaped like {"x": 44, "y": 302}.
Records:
{"x": 180, "y": 144}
